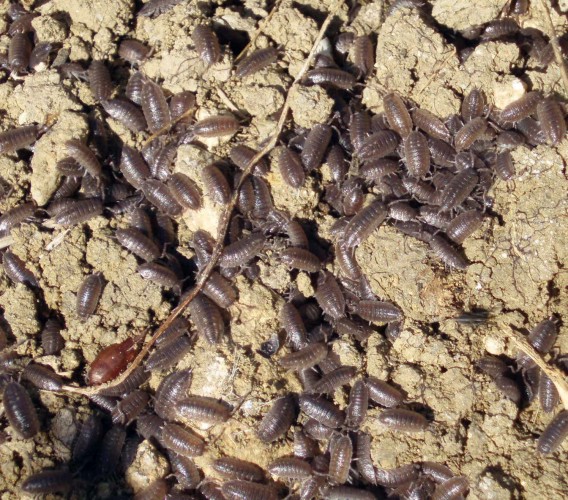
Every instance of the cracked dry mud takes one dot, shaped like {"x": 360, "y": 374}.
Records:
{"x": 518, "y": 257}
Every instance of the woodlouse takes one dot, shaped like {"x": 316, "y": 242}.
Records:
{"x": 241, "y": 490}
{"x": 304, "y": 446}
{"x": 322, "y": 410}
{"x": 331, "y": 76}
{"x": 417, "y": 154}
{"x": 19, "y": 52}
{"x": 399, "y": 419}
{"x": 127, "y": 113}
{"x": 364, "y": 223}
{"x": 341, "y": 454}
{"x": 207, "y": 318}
{"x": 315, "y": 146}
{"x": 554, "y": 433}
{"x": 178, "y": 439}
{"x": 84, "y": 156}
{"x": 220, "y": 290}
{"x": 256, "y": 61}
{"x": 291, "y": 168}
{"x": 547, "y": 394}
{"x": 51, "y": 339}
{"x": 160, "y": 274}
{"x": 169, "y": 354}
{"x": 397, "y": 115}
{"x": 464, "y": 225}
{"x": 111, "y": 361}
{"x": 128, "y": 385}
{"x": 277, "y": 420}
{"x": 48, "y": 481}
{"x": 110, "y": 450}
{"x": 472, "y": 131}
{"x": 204, "y": 410}
{"x": 134, "y": 87}
{"x": 242, "y": 251}
{"x": 235, "y": 468}
{"x": 362, "y": 54}
{"x": 20, "y": 410}
{"x": 12, "y": 140}
{"x": 185, "y": 471}
{"x": 185, "y": 191}
{"x": 43, "y": 377}
{"x": 88, "y": 295}
{"x": 359, "y": 129}
{"x": 99, "y": 80}
{"x": 329, "y": 295}
{"x": 503, "y": 166}
{"x": 133, "y": 51}
{"x": 521, "y": 108}
{"x": 378, "y": 145}
{"x": 130, "y": 407}
{"x": 154, "y": 106}
{"x": 377, "y": 311}
{"x": 455, "y": 487}
{"x": 382, "y": 393}
{"x": 306, "y": 357}
{"x": 431, "y": 124}
{"x": 542, "y": 337}
{"x": 291, "y": 468}
{"x": 356, "y": 411}
{"x": 206, "y": 44}
{"x": 447, "y": 253}
{"x": 292, "y": 323}
{"x": 181, "y": 104}
{"x": 363, "y": 460}
{"x": 216, "y": 184}
{"x": 348, "y": 493}
{"x": 458, "y": 189}
{"x": 138, "y": 243}
{"x": 216, "y": 126}
{"x": 331, "y": 381}
{"x": 551, "y": 120}
{"x": 241, "y": 155}
{"x": 171, "y": 390}
{"x": 16, "y": 270}
{"x": 300, "y": 258}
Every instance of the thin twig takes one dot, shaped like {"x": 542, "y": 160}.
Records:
{"x": 555, "y": 45}
{"x": 557, "y": 377}
{"x": 223, "y": 224}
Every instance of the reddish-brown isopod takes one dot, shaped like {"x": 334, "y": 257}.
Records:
{"x": 340, "y": 459}
{"x": 333, "y": 380}
{"x": 397, "y": 115}
{"x": 431, "y": 124}
{"x": 503, "y": 165}
{"x": 399, "y": 419}
{"x": 160, "y": 274}
{"x": 204, "y": 410}
{"x": 51, "y": 340}
{"x": 154, "y": 106}
{"x": 185, "y": 471}
{"x": 220, "y": 290}
{"x": 521, "y": 108}
{"x": 473, "y": 105}
{"x": 185, "y": 191}
{"x": 241, "y": 155}
{"x": 292, "y": 323}
{"x": 304, "y": 446}
{"x": 359, "y": 129}
{"x": 160, "y": 195}
{"x": 15, "y": 216}
{"x": 551, "y": 120}
{"x": 134, "y": 87}
{"x": 277, "y": 420}
{"x": 111, "y": 361}
{"x": 256, "y": 61}
{"x": 331, "y": 76}
{"x": 358, "y": 403}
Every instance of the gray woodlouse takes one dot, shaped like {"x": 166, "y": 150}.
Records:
{"x": 241, "y": 155}
{"x": 235, "y": 468}
{"x": 178, "y": 439}
{"x": 449, "y": 255}
{"x": 216, "y": 126}
{"x": 364, "y": 223}
{"x": 362, "y": 457}
{"x": 382, "y": 393}
{"x": 359, "y": 128}
{"x": 318, "y": 430}
{"x": 331, "y": 381}
{"x": 207, "y": 318}
{"x": 154, "y": 8}
{"x": 51, "y": 339}
{"x": 464, "y": 225}
{"x": 542, "y": 337}
{"x": 127, "y": 410}
{"x": 532, "y": 131}
{"x": 110, "y": 450}
{"x": 129, "y": 384}
{"x": 378, "y": 145}
{"x": 300, "y": 258}
{"x": 181, "y": 104}
{"x": 402, "y": 420}
{"x": 19, "y": 52}
{"x": 150, "y": 426}
{"x": 43, "y": 377}
{"x": 473, "y": 105}
{"x": 417, "y": 154}
{"x": 547, "y": 394}
{"x": 48, "y": 481}
{"x": 492, "y": 366}
{"x": 304, "y": 446}
{"x": 551, "y": 120}
{"x": 306, "y": 357}
{"x": 20, "y": 410}
{"x": 99, "y": 81}
{"x": 220, "y": 290}
{"x": 398, "y": 476}
{"x": 18, "y": 138}
{"x": 204, "y": 409}
{"x": 241, "y": 490}
{"x": 503, "y": 166}
{"x": 256, "y": 61}
{"x": 521, "y": 108}
{"x": 138, "y": 243}
{"x": 458, "y": 189}
{"x": 185, "y": 191}
{"x": 431, "y": 124}
{"x": 315, "y": 146}
{"x": 84, "y": 156}
{"x": 133, "y": 51}
{"x": 377, "y": 311}
{"x": 472, "y": 131}
{"x": 160, "y": 274}
{"x": 362, "y": 54}
{"x": 402, "y": 211}
{"x": 341, "y": 454}
{"x": 16, "y": 270}
{"x": 508, "y": 388}
{"x": 185, "y": 471}
{"x": 439, "y": 472}
{"x": 154, "y": 106}
{"x": 360, "y": 331}
{"x": 127, "y": 113}
{"x": 15, "y": 216}
{"x": 500, "y": 28}
{"x": 134, "y": 87}
{"x": 322, "y": 410}
{"x": 291, "y": 168}
{"x": 348, "y": 493}
{"x": 442, "y": 153}
{"x": 216, "y": 184}
{"x": 331, "y": 76}
{"x": 451, "y": 489}
{"x": 206, "y": 44}
{"x": 169, "y": 355}
{"x": 337, "y": 163}
{"x": 554, "y": 433}
{"x": 88, "y": 438}
{"x": 160, "y": 196}
{"x": 346, "y": 261}
{"x": 292, "y": 323}
{"x": 277, "y": 420}
{"x": 242, "y": 251}
{"x": 397, "y": 115}
{"x": 291, "y": 468}
{"x": 88, "y": 295}
{"x": 329, "y": 296}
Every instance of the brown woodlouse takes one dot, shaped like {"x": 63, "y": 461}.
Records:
{"x": 329, "y": 295}
{"x": 178, "y": 439}
{"x": 315, "y": 146}
{"x": 291, "y": 168}
{"x": 43, "y": 377}
{"x": 48, "y": 481}
{"x": 551, "y": 120}
{"x": 133, "y": 51}
{"x": 464, "y": 225}
{"x": 356, "y": 410}
{"x": 277, "y": 420}
{"x": 472, "y": 131}
{"x": 99, "y": 81}
{"x": 216, "y": 126}
{"x": 362, "y": 54}
{"x": 206, "y": 44}
{"x": 378, "y": 145}
{"x": 111, "y": 361}
{"x": 168, "y": 355}
{"x": 20, "y": 410}
{"x": 154, "y": 106}
{"x": 458, "y": 189}
{"x": 542, "y": 337}
{"x": 383, "y": 393}
{"x": 364, "y": 223}
{"x": 130, "y": 407}
{"x": 300, "y": 258}
{"x": 239, "y": 490}
{"x": 399, "y": 419}
{"x": 160, "y": 274}
{"x": 19, "y": 52}
{"x": 547, "y": 394}
{"x": 84, "y": 156}
{"x": 204, "y": 410}
{"x": 220, "y": 290}
{"x": 138, "y": 243}
{"x": 216, "y": 184}
{"x": 52, "y": 341}
{"x": 452, "y": 488}
{"x": 256, "y": 61}
{"x": 127, "y": 113}
{"x": 447, "y": 253}
{"x": 397, "y": 115}
{"x": 503, "y": 166}
{"x": 377, "y": 311}
{"x": 207, "y": 318}
{"x": 431, "y": 124}
{"x": 185, "y": 191}
{"x": 341, "y": 454}
{"x": 185, "y": 471}
{"x": 235, "y": 468}
{"x": 554, "y": 433}
{"x": 18, "y": 138}
{"x": 521, "y": 108}
{"x": 16, "y": 270}
{"x": 348, "y": 493}
{"x": 242, "y": 251}
{"x": 306, "y": 357}
{"x": 291, "y": 468}
{"x": 331, "y": 76}
{"x": 322, "y": 410}
{"x": 417, "y": 154}
{"x": 110, "y": 450}
{"x": 363, "y": 460}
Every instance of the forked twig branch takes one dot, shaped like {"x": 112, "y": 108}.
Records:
{"x": 223, "y": 223}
